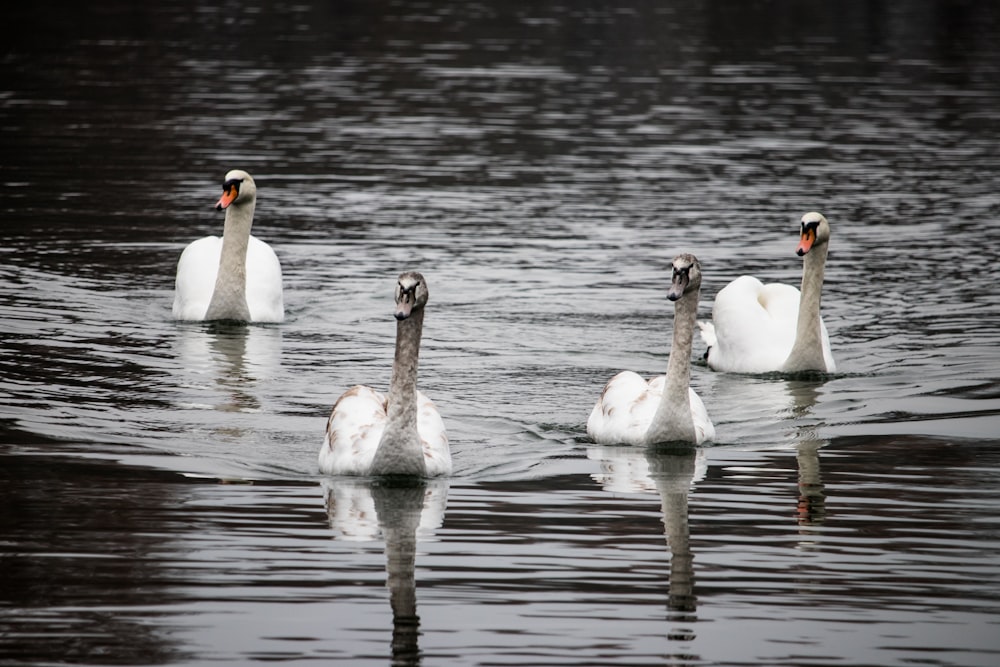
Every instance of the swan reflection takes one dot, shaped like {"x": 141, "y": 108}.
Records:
{"x": 231, "y": 358}
{"x": 401, "y": 512}
{"x": 670, "y": 473}
{"x": 778, "y": 414}
{"x": 812, "y": 495}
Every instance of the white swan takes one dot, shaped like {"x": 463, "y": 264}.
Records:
{"x": 759, "y": 328}
{"x": 237, "y": 277}
{"x": 635, "y": 412}
{"x": 369, "y": 433}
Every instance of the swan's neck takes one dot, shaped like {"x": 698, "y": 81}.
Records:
{"x": 229, "y": 300}
{"x": 400, "y": 451}
{"x": 807, "y": 351}
{"x": 673, "y": 420}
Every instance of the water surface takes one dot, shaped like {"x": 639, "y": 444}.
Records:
{"x": 541, "y": 166}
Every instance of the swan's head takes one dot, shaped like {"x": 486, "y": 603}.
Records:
{"x": 686, "y": 277}
{"x": 411, "y": 294}
{"x": 815, "y": 231}
{"x": 238, "y": 188}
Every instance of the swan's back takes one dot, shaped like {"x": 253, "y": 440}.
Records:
{"x": 355, "y": 428}
{"x": 704, "y": 429}
{"x": 198, "y": 269}
{"x": 626, "y": 408}
{"x": 754, "y": 326}
{"x": 353, "y": 432}
{"x": 433, "y": 437}
{"x": 265, "y": 298}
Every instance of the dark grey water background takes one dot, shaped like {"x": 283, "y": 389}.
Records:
{"x": 541, "y": 164}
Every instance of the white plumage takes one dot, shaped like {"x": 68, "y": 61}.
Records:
{"x": 627, "y": 406}
{"x": 355, "y": 428}
{"x": 758, "y": 328}
{"x": 236, "y": 277}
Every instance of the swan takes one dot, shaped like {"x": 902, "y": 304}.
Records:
{"x": 369, "y": 433}
{"x": 237, "y": 277}
{"x": 759, "y": 328}
{"x": 636, "y": 412}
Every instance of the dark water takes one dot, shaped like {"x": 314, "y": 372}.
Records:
{"x": 541, "y": 165}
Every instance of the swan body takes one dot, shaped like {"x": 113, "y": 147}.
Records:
{"x": 370, "y": 433}
{"x": 636, "y": 412}
{"x": 236, "y": 277}
{"x": 758, "y": 328}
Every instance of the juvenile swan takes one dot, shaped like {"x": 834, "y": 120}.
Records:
{"x": 635, "y": 412}
{"x": 759, "y": 328}
{"x": 369, "y": 433}
{"x": 237, "y": 277}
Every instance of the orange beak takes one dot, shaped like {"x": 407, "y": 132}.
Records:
{"x": 228, "y": 195}
{"x": 806, "y": 242}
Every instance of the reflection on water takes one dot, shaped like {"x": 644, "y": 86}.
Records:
{"x": 674, "y": 474}
{"x": 232, "y": 359}
{"x": 401, "y": 512}
{"x": 812, "y": 496}
{"x": 671, "y": 473}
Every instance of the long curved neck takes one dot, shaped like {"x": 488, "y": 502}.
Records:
{"x": 229, "y": 300}
{"x": 672, "y": 420}
{"x": 807, "y": 351}
{"x": 400, "y": 451}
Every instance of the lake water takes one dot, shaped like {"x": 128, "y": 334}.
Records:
{"x": 541, "y": 165}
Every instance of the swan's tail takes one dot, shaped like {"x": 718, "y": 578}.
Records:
{"x": 707, "y": 335}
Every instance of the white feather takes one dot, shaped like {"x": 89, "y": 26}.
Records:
{"x": 355, "y": 428}
{"x": 198, "y": 269}
{"x": 626, "y": 408}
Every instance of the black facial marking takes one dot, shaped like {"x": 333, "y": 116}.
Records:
{"x": 232, "y": 183}
{"x": 410, "y": 291}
